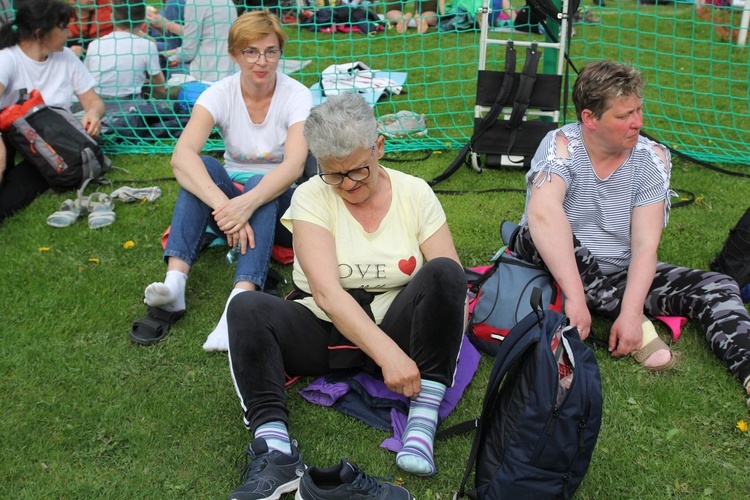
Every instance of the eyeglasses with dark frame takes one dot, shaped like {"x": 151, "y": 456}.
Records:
{"x": 252, "y": 56}
{"x": 355, "y": 174}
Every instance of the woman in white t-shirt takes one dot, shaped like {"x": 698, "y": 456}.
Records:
{"x": 378, "y": 287}
{"x": 260, "y": 113}
{"x": 33, "y": 56}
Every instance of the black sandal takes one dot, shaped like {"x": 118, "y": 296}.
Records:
{"x": 153, "y": 327}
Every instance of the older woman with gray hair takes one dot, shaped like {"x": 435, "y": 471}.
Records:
{"x": 378, "y": 287}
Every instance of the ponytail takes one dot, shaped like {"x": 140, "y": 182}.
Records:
{"x": 8, "y": 35}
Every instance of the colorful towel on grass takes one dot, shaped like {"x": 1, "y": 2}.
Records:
{"x": 368, "y": 399}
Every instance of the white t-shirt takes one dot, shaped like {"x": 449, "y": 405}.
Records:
{"x": 58, "y": 78}
{"x": 383, "y": 261}
{"x": 119, "y": 63}
{"x": 255, "y": 147}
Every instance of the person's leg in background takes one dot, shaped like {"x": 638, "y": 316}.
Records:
{"x": 394, "y": 14}
{"x": 713, "y": 300}
{"x": 20, "y": 184}
{"x": 425, "y": 14}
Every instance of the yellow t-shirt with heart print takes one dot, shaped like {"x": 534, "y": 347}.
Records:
{"x": 383, "y": 261}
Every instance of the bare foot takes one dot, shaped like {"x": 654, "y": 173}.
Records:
{"x": 658, "y": 359}
{"x": 654, "y": 354}
{"x": 400, "y": 26}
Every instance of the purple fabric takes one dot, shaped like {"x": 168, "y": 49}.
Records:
{"x": 324, "y": 393}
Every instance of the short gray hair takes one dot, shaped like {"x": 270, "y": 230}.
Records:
{"x": 601, "y": 82}
{"x": 339, "y": 126}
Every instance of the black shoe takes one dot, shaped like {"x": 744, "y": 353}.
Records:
{"x": 268, "y": 474}
{"x": 346, "y": 481}
{"x": 273, "y": 280}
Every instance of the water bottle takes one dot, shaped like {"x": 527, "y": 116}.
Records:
{"x": 233, "y": 254}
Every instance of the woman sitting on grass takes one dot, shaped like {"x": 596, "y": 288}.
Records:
{"x": 364, "y": 296}
{"x": 261, "y": 113}
{"x": 598, "y": 198}
{"x": 34, "y": 56}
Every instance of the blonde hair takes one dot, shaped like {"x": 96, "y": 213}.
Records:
{"x": 252, "y": 26}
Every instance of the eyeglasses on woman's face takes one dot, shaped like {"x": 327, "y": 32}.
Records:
{"x": 356, "y": 174}
{"x": 252, "y": 55}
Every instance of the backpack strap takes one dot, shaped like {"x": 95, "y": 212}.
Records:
{"x": 523, "y": 93}
{"x": 453, "y": 167}
{"x": 489, "y": 119}
{"x": 596, "y": 341}
{"x": 457, "y": 429}
{"x": 476, "y": 284}
{"x": 502, "y": 95}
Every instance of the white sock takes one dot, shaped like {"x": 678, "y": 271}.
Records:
{"x": 169, "y": 295}
{"x": 218, "y": 340}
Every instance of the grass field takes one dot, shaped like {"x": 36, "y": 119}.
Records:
{"x": 88, "y": 414}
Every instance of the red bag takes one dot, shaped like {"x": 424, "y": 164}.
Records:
{"x": 11, "y": 113}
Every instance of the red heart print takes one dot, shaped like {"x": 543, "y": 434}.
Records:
{"x": 407, "y": 266}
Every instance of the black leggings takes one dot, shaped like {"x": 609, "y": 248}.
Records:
{"x": 269, "y": 337}
{"x": 21, "y": 184}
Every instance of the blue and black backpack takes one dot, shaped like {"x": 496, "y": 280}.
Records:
{"x": 541, "y": 413}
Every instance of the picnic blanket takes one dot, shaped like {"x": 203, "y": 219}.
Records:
{"x": 368, "y": 399}
{"x": 371, "y": 84}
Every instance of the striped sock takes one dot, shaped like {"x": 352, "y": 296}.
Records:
{"x": 417, "y": 456}
{"x": 276, "y": 436}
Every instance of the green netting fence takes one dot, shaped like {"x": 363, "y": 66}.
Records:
{"x": 693, "y": 56}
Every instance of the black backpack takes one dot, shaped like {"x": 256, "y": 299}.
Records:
{"x": 534, "y": 438}
{"x": 55, "y": 142}
{"x": 734, "y": 258}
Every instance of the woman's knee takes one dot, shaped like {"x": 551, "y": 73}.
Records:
{"x": 245, "y": 313}
{"x": 725, "y": 283}
{"x": 444, "y": 275}
{"x": 712, "y": 287}
{"x": 252, "y": 182}
{"x": 215, "y": 169}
